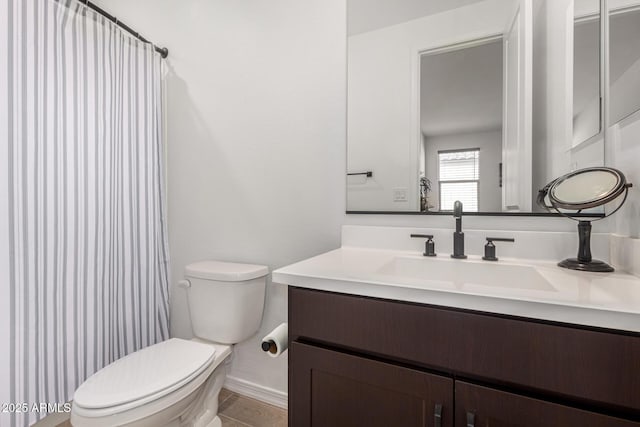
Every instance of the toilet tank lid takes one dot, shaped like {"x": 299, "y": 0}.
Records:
{"x": 225, "y": 271}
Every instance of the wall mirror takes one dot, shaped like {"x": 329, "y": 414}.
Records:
{"x": 624, "y": 58}
{"x": 479, "y": 101}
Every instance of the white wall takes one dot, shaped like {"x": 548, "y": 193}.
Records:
{"x": 382, "y": 91}
{"x": 256, "y": 140}
{"x": 490, "y": 145}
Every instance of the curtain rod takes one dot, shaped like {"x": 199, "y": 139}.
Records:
{"x": 163, "y": 51}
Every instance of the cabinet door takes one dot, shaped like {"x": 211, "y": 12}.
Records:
{"x": 478, "y": 406}
{"x": 333, "y": 389}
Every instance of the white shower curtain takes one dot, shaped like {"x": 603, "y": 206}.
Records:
{"x": 83, "y": 250}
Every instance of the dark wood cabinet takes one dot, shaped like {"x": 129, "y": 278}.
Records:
{"x": 358, "y": 361}
{"x": 335, "y": 389}
{"x": 483, "y": 406}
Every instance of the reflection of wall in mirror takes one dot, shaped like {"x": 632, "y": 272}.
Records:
{"x": 382, "y": 135}
{"x": 558, "y": 130}
{"x": 586, "y": 71}
{"x": 624, "y": 58}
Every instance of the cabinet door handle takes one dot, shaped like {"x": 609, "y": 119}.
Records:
{"x": 471, "y": 419}
{"x": 437, "y": 417}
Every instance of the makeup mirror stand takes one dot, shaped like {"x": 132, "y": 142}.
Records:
{"x": 561, "y": 192}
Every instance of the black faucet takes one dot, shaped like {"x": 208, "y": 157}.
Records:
{"x": 458, "y": 235}
{"x": 490, "y": 248}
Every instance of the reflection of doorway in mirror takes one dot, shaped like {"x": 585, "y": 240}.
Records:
{"x": 461, "y": 114}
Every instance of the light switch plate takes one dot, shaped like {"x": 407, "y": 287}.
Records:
{"x": 400, "y": 194}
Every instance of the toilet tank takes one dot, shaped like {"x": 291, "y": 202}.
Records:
{"x": 226, "y": 299}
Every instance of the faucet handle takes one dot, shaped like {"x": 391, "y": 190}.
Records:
{"x": 490, "y": 248}
{"x": 429, "y": 245}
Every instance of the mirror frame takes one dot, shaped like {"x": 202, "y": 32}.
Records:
{"x": 604, "y": 94}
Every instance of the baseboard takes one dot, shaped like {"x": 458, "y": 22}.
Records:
{"x": 256, "y": 391}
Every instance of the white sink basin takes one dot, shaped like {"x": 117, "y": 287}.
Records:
{"x": 465, "y": 274}
{"x": 527, "y": 288}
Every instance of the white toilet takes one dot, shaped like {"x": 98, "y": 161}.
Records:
{"x": 177, "y": 382}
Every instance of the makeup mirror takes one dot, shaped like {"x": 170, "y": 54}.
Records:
{"x": 583, "y": 189}
{"x": 587, "y": 188}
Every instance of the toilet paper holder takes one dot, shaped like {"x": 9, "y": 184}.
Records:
{"x": 276, "y": 341}
{"x": 269, "y": 346}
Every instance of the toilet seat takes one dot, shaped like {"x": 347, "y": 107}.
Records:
{"x": 149, "y": 374}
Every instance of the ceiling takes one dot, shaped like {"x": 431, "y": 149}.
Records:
{"x": 369, "y": 15}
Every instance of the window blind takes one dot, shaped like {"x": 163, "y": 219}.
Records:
{"x": 459, "y": 175}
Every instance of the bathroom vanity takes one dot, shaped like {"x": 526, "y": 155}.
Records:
{"x": 376, "y": 341}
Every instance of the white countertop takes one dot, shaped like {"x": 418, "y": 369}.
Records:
{"x": 536, "y": 289}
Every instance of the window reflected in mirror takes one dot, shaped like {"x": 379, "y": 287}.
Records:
{"x": 459, "y": 179}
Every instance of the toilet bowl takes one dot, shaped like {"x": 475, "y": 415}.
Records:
{"x": 177, "y": 382}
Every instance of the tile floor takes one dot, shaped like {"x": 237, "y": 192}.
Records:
{"x": 240, "y": 411}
